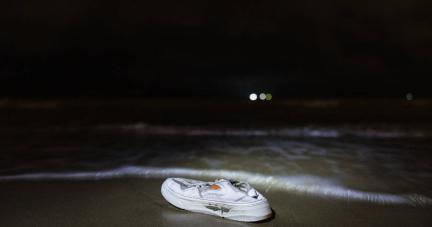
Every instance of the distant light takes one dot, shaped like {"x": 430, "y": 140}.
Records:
{"x": 262, "y": 96}
{"x": 268, "y": 96}
{"x": 253, "y": 96}
{"x": 409, "y": 96}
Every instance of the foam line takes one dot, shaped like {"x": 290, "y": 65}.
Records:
{"x": 305, "y": 184}
{"x": 306, "y": 131}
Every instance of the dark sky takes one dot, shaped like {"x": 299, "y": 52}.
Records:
{"x": 314, "y": 48}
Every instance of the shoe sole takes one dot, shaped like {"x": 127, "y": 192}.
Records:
{"x": 245, "y": 212}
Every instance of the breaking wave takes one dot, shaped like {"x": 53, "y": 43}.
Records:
{"x": 305, "y": 184}
{"x": 377, "y": 131}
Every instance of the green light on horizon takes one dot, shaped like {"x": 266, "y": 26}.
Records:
{"x": 268, "y": 97}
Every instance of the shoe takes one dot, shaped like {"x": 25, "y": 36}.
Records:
{"x": 227, "y": 198}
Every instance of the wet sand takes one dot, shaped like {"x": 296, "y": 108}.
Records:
{"x": 138, "y": 202}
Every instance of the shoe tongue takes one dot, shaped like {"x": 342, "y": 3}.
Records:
{"x": 243, "y": 186}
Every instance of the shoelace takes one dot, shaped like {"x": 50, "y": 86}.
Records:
{"x": 244, "y": 186}
{"x": 199, "y": 184}
{"x": 241, "y": 185}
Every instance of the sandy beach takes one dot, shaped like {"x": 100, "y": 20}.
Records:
{"x": 323, "y": 107}
{"x": 138, "y": 202}
{"x": 316, "y": 153}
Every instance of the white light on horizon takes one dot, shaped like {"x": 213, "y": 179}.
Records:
{"x": 409, "y": 96}
{"x": 262, "y": 96}
{"x": 253, "y": 96}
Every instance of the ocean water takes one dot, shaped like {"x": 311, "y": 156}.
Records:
{"x": 379, "y": 163}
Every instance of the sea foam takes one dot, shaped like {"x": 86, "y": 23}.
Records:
{"x": 303, "y": 184}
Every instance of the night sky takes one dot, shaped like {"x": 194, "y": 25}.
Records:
{"x": 222, "y": 49}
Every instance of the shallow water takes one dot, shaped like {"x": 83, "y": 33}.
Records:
{"x": 371, "y": 164}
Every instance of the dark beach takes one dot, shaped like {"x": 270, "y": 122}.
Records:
{"x": 323, "y": 106}
{"x": 306, "y": 157}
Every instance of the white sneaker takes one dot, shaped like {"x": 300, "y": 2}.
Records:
{"x": 227, "y": 198}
